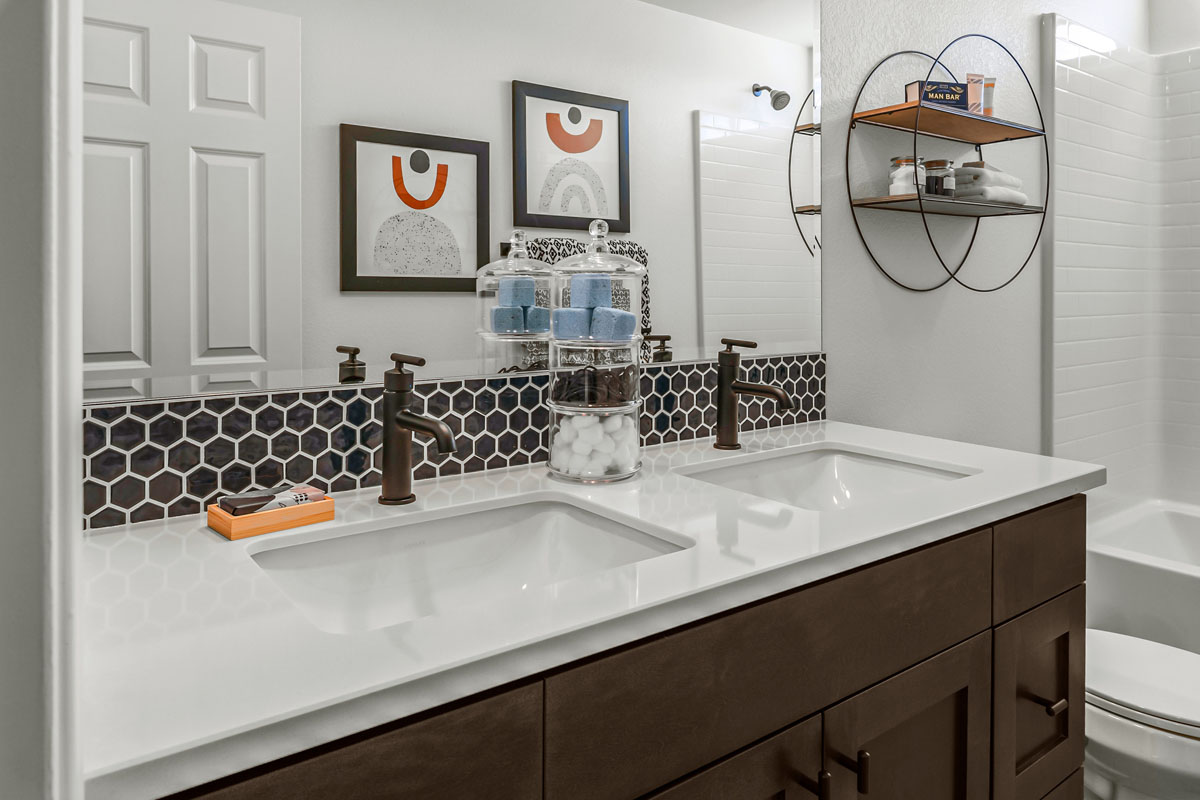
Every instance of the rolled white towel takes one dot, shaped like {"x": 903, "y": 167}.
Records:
{"x": 982, "y": 176}
{"x": 992, "y": 194}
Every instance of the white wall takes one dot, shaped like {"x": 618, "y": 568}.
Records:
{"x": 947, "y": 363}
{"x": 1174, "y": 25}
{"x": 446, "y": 68}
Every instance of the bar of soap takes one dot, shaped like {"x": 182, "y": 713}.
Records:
{"x": 591, "y": 290}
{"x": 508, "y": 319}
{"x": 613, "y": 324}
{"x": 516, "y": 291}
{"x": 572, "y": 323}
{"x": 537, "y": 319}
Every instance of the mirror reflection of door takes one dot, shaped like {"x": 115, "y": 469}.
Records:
{"x": 191, "y": 197}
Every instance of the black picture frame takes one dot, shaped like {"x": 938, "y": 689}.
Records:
{"x": 351, "y": 281}
{"x": 521, "y": 91}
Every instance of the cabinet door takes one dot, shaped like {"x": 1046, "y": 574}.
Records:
{"x": 488, "y": 749}
{"x": 786, "y": 766}
{"x": 921, "y": 735}
{"x": 1038, "y": 706}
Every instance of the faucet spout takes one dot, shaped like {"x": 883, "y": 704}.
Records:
{"x": 434, "y": 428}
{"x": 782, "y": 398}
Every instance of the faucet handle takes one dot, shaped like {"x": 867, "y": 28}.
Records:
{"x": 402, "y": 359}
{"x": 348, "y": 350}
{"x": 351, "y": 370}
{"x": 732, "y": 343}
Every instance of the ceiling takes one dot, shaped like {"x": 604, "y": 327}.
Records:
{"x": 789, "y": 20}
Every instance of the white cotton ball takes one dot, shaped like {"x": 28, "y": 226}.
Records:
{"x": 566, "y": 433}
{"x": 577, "y": 464}
{"x": 594, "y": 469}
{"x": 612, "y": 424}
{"x": 581, "y": 446}
{"x": 560, "y": 457}
{"x": 585, "y": 421}
{"x": 606, "y": 445}
{"x": 629, "y": 423}
{"x": 591, "y": 434}
{"x": 600, "y": 460}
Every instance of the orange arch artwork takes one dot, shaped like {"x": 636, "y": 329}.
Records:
{"x": 439, "y": 185}
{"x": 573, "y": 142}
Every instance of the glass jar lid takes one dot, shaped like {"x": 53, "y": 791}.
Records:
{"x": 901, "y": 160}
{"x": 598, "y": 257}
{"x": 517, "y": 260}
{"x": 940, "y": 163}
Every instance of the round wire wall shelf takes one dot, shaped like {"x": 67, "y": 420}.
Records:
{"x": 810, "y": 129}
{"x": 954, "y": 125}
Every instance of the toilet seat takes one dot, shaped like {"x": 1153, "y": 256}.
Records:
{"x": 1144, "y": 681}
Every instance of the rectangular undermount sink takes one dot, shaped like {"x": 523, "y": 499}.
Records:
{"x": 364, "y": 581}
{"x": 825, "y": 479}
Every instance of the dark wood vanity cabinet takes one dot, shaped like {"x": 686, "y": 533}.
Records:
{"x": 952, "y": 672}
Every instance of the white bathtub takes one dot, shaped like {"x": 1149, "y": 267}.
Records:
{"x": 1143, "y": 573}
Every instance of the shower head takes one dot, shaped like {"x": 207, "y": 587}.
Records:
{"x": 779, "y": 98}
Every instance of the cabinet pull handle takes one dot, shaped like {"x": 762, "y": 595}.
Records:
{"x": 822, "y": 787}
{"x": 1053, "y": 709}
{"x": 861, "y": 767}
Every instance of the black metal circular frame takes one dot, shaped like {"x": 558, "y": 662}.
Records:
{"x": 791, "y": 193}
{"x": 951, "y": 273}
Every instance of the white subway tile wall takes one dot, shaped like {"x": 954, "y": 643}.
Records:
{"x": 1127, "y": 283}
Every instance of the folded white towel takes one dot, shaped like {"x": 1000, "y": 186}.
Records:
{"x": 982, "y": 176}
{"x": 992, "y": 194}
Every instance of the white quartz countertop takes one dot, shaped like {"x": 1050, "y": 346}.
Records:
{"x": 196, "y": 664}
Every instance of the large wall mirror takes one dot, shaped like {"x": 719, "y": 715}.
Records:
{"x": 212, "y": 219}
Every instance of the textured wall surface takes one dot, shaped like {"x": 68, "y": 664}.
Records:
{"x": 947, "y": 363}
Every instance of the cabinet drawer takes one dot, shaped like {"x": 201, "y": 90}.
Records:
{"x": 787, "y": 764}
{"x": 1070, "y": 789}
{"x": 924, "y": 733}
{"x": 486, "y": 750}
{"x": 628, "y": 723}
{"x": 1038, "y": 702}
{"x": 1038, "y": 555}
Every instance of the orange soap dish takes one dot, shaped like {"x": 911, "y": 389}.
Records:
{"x": 279, "y": 519}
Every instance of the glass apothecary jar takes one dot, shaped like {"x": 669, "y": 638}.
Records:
{"x": 594, "y": 445}
{"x": 906, "y": 175}
{"x": 597, "y": 295}
{"x": 513, "y": 295}
{"x": 594, "y": 374}
{"x": 939, "y": 177}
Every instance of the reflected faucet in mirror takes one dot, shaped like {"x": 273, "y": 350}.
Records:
{"x": 729, "y": 388}
{"x": 351, "y": 370}
{"x": 399, "y": 425}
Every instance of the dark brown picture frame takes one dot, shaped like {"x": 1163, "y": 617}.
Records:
{"x": 351, "y": 281}
{"x": 522, "y": 217}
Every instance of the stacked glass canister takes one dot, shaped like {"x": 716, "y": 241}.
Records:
{"x": 513, "y": 296}
{"x": 595, "y": 346}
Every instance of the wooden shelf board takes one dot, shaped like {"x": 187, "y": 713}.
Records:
{"x": 809, "y": 129}
{"x": 945, "y": 206}
{"x": 808, "y": 210}
{"x": 947, "y": 123}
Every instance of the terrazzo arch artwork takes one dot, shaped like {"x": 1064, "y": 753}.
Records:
{"x": 414, "y": 211}
{"x": 570, "y": 158}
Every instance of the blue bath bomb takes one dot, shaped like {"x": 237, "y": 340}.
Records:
{"x": 613, "y": 324}
{"x": 591, "y": 290}
{"x": 572, "y": 323}
{"x": 508, "y": 319}
{"x": 537, "y": 319}
{"x": 516, "y": 291}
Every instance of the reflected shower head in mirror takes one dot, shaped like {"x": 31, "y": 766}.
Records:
{"x": 779, "y": 98}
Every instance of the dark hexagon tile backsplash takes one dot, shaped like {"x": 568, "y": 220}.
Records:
{"x": 152, "y": 460}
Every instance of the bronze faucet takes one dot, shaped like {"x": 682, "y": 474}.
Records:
{"x": 728, "y": 389}
{"x": 399, "y": 424}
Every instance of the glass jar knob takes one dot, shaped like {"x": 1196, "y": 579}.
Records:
{"x": 598, "y": 230}
{"x": 516, "y": 245}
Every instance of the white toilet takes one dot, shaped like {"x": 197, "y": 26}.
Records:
{"x": 1142, "y": 719}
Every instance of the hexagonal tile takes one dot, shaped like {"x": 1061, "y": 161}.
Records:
{"x": 268, "y": 420}
{"x": 285, "y": 445}
{"x": 252, "y": 449}
{"x": 107, "y": 518}
{"x": 95, "y": 436}
{"x": 235, "y": 478}
{"x": 201, "y": 482}
{"x": 201, "y": 427}
{"x": 358, "y": 461}
{"x": 343, "y": 438}
{"x": 314, "y": 441}
{"x": 108, "y": 464}
{"x": 128, "y": 492}
{"x": 147, "y": 511}
{"x": 95, "y": 495}
{"x": 128, "y": 433}
{"x": 183, "y": 456}
{"x": 330, "y": 414}
{"x": 165, "y": 487}
{"x": 269, "y": 473}
{"x": 236, "y": 423}
{"x": 147, "y": 460}
{"x": 300, "y": 468}
{"x": 218, "y": 452}
{"x": 358, "y": 411}
{"x": 299, "y": 417}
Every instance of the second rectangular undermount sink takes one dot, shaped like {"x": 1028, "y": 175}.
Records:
{"x": 825, "y": 479}
{"x": 369, "y": 580}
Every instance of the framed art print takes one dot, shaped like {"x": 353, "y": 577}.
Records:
{"x": 414, "y": 211}
{"x": 570, "y": 158}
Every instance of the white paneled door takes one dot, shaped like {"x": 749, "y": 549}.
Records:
{"x": 192, "y": 274}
